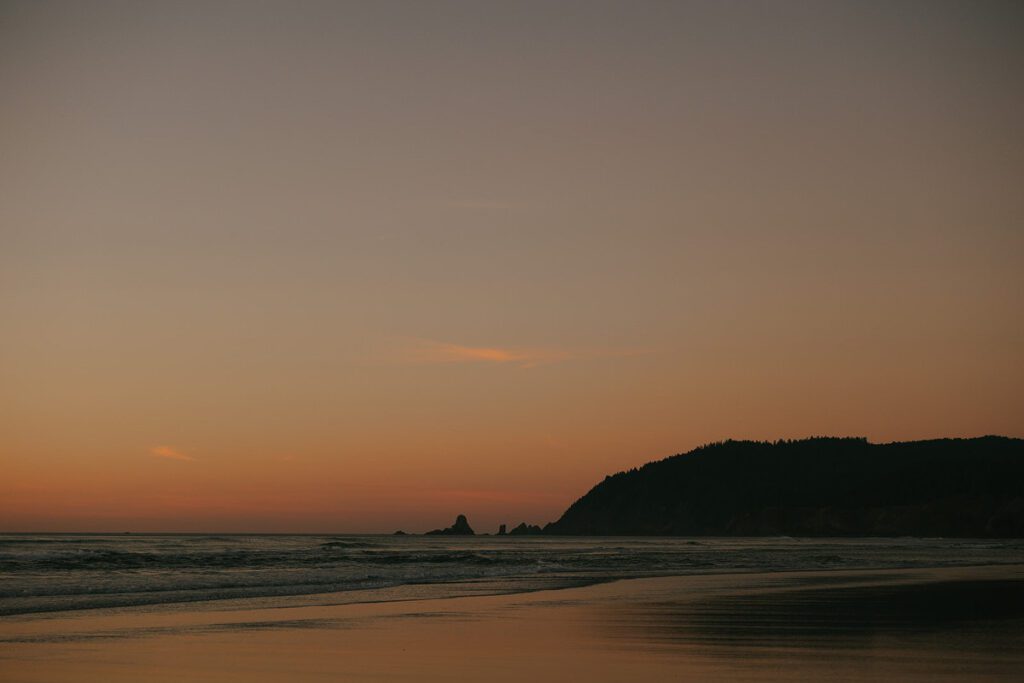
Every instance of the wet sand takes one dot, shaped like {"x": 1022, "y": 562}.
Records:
{"x": 962, "y": 624}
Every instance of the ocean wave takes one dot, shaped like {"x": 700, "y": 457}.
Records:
{"x": 46, "y": 574}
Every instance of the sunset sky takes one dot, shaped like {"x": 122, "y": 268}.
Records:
{"x": 325, "y": 266}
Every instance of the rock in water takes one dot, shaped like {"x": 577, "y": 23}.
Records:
{"x": 460, "y": 528}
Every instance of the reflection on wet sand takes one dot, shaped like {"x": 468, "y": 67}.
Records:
{"x": 963, "y": 625}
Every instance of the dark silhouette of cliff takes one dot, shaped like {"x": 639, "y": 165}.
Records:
{"x": 460, "y": 528}
{"x": 525, "y": 529}
{"x": 814, "y": 487}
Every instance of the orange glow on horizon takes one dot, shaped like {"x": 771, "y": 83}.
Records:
{"x": 366, "y": 267}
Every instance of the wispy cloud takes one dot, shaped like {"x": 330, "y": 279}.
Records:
{"x": 428, "y": 352}
{"x": 170, "y": 453}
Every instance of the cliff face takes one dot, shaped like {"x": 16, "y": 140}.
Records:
{"x": 814, "y": 487}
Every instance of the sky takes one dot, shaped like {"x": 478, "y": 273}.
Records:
{"x": 356, "y": 267}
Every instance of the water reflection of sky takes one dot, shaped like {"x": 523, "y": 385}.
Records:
{"x": 972, "y": 628}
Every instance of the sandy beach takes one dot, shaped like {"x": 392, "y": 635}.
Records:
{"x": 938, "y": 624}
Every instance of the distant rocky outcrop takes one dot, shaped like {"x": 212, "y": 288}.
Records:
{"x": 399, "y": 533}
{"x": 814, "y": 487}
{"x": 501, "y": 530}
{"x": 460, "y": 528}
{"x": 525, "y": 529}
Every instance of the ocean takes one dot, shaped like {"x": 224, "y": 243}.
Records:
{"x": 58, "y": 572}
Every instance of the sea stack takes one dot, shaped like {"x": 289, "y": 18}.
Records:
{"x": 460, "y": 528}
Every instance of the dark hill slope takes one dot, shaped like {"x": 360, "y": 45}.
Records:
{"x": 814, "y": 487}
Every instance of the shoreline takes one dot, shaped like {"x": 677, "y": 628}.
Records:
{"x": 500, "y": 586}
{"x": 708, "y": 626}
